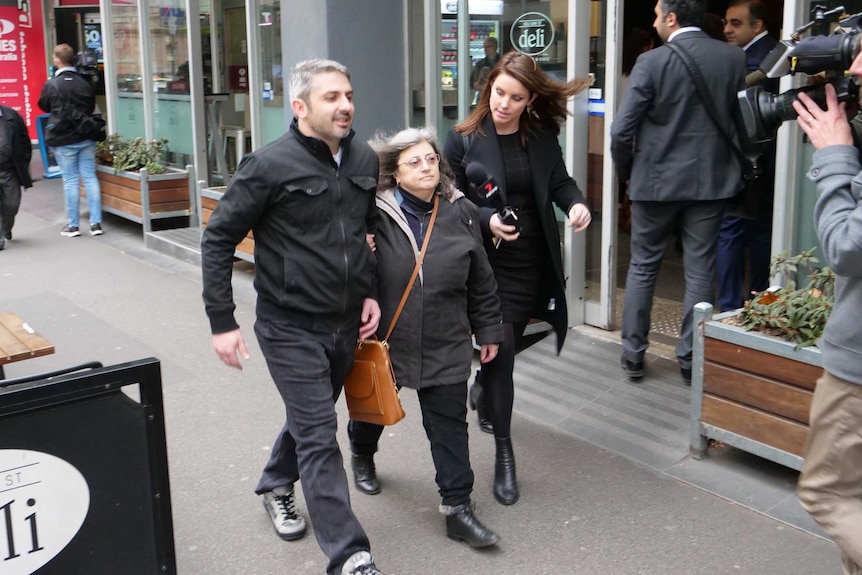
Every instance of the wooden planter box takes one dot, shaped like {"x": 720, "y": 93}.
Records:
{"x": 749, "y": 390}
{"x": 209, "y": 200}
{"x": 143, "y": 197}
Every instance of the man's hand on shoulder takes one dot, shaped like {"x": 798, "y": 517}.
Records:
{"x": 227, "y": 345}
{"x": 370, "y": 318}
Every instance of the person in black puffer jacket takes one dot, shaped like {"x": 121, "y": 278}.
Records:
{"x": 61, "y": 96}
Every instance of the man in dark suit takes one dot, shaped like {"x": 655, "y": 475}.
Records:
{"x": 744, "y": 27}
{"x": 15, "y": 153}
{"x": 680, "y": 168}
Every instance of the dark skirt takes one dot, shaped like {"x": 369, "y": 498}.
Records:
{"x": 519, "y": 267}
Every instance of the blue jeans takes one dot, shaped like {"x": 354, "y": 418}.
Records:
{"x": 308, "y": 369}
{"x": 79, "y": 161}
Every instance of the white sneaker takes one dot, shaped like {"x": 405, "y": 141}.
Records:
{"x": 360, "y": 563}
{"x": 281, "y": 506}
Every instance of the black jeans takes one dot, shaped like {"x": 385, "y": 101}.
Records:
{"x": 10, "y": 200}
{"x": 444, "y": 416}
{"x": 309, "y": 369}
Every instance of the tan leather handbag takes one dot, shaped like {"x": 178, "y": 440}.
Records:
{"x": 370, "y": 387}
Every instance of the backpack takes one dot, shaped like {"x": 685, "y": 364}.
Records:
{"x": 73, "y": 120}
{"x": 92, "y": 127}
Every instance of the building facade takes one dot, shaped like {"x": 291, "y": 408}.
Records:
{"x": 208, "y": 75}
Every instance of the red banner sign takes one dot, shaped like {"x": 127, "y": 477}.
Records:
{"x": 23, "y": 68}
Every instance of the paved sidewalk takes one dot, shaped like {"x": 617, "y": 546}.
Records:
{"x": 607, "y": 487}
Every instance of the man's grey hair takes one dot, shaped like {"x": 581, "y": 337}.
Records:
{"x": 688, "y": 12}
{"x": 302, "y": 75}
{"x": 389, "y": 149}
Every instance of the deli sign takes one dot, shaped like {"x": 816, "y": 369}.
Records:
{"x": 532, "y": 33}
{"x": 43, "y": 503}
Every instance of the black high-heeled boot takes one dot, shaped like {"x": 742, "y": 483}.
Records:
{"x": 505, "y": 481}
{"x": 477, "y": 402}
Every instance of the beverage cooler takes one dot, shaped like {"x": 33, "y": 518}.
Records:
{"x": 479, "y": 30}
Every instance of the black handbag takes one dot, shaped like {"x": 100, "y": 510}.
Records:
{"x": 754, "y": 193}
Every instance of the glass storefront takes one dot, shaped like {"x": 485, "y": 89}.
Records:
{"x": 238, "y": 58}
{"x": 128, "y": 71}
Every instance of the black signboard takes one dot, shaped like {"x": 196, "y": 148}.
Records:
{"x": 83, "y": 475}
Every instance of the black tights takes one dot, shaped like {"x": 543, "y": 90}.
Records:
{"x": 497, "y": 383}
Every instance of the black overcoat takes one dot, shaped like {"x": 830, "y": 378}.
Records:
{"x": 551, "y": 185}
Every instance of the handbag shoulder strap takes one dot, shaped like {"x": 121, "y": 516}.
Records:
{"x": 708, "y": 103}
{"x": 415, "y": 268}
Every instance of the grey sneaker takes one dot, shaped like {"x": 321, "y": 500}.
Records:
{"x": 96, "y": 230}
{"x": 360, "y": 563}
{"x": 70, "y": 231}
{"x": 281, "y": 506}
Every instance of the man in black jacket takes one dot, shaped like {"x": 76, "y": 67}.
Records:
{"x": 309, "y": 198}
{"x": 64, "y": 95}
{"x": 15, "y": 153}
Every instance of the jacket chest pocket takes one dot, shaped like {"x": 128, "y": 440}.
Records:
{"x": 307, "y": 203}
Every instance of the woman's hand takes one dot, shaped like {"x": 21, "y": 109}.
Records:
{"x": 488, "y": 352}
{"x": 503, "y": 231}
{"x": 579, "y": 217}
{"x": 827, "y": 127}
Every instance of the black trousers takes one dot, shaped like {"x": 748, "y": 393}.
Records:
{"x": 444, "y": 416}
{"x": 10, "y": 200}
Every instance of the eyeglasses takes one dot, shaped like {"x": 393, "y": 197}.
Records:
{"x": 415, "y": 162}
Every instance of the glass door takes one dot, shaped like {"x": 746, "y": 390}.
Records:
{"x": 603, "y": 27}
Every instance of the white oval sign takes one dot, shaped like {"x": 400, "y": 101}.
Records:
{"x": 44, "y": 500}
{"x": 532, "y": 33}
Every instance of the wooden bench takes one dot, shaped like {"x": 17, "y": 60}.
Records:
{"x": 19, "y": 341}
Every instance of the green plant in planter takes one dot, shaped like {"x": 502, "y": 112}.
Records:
{"x": 796, "y": 314}
{"x": 131, "y": 155}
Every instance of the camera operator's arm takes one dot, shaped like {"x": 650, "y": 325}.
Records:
{"x": 835, "y": 170}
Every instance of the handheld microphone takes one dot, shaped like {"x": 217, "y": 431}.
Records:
{"x": 487, "y": 188}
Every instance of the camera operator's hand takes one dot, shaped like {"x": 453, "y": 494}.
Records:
{"x": 827, "y": 127}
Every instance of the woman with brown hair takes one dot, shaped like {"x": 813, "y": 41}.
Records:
{"x": 511, "y": 136}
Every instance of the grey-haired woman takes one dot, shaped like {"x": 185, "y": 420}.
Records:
{"x": 453, "y": 297}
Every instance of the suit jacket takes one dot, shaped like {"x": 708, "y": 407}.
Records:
{"x": 19, "y": 144}
{"x": 551, "y": 185}
{"x": 663, "y": 139}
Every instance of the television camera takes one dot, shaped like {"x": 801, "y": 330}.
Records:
{"x": 822, "y": 51}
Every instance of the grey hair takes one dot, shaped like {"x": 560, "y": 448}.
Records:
{"x": 302, "y": 75}
{"x": 389, "y": 150}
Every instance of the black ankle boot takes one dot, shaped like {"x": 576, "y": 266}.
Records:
{"x": 505, "y": 482}
{"x": 462, "y": 525}
{"x": 477, "y": 402}
{"x": 364, "y": 474}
